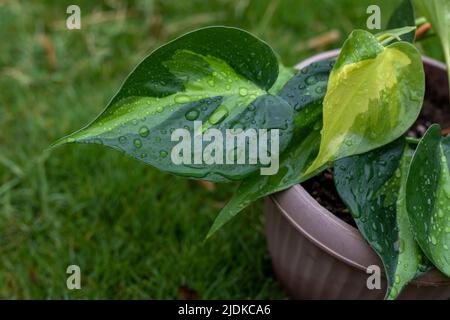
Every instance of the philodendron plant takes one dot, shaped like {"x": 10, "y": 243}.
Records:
{"x": 349, "y": 113}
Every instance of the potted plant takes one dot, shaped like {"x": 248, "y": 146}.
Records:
{"x": 318, "y": 254}
{"x": 216, "y": 104}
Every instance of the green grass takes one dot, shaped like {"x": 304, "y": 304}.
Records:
{"x": 135, "y": 232}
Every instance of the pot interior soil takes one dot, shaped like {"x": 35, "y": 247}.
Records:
{"x": 436, "y": 109}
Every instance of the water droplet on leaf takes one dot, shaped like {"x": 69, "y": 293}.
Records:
{"x": 243, "y": 92}
{"x": 182, "y": 99}
{"x": 311, "y": 80}
{"x": 163, "y": 153}
{"x": 137, "y": 143}
{"x": 192, "y": 115}
{"x": 123, "y": 139}
{"x": 218, "y": 115}
{"x": 144, "y": 132}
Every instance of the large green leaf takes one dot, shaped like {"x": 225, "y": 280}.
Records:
{"x": 374, "y": 95}
{"x": 305, "y": 93}
{"x": 428, "y": 197}
{"x": 373, "y": 187}
{"x": 403, "y": 16}
{"x": 217, "y": 75}
{"x": 438, "y": 13}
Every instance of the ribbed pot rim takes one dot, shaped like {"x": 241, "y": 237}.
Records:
{"x": 327, "y": 231}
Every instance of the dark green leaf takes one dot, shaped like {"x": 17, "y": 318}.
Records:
{"x": 373, "y": 187}
{"x": 428, "y": 197}
{"x": 403, "y": 16}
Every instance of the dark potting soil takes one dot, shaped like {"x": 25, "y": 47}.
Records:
{"x": 322, "y": 189}
{"x": 435, "y": 109}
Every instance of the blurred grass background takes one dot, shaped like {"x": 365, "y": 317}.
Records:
{"x": 135, "y": 232}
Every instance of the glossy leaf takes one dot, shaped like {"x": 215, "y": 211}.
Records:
{"x": 305, "y": 93}
{"x": 374, "y": 95}
{"x": 373, "y": 187}
{"x": 217, "y": 75}
{"x": 428, "y": 197}
{"x": 403, "y": 16}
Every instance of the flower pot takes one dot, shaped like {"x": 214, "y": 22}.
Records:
{"x": 316, "y": 255}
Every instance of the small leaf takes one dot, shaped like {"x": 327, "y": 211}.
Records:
{"x": 217, "y": 75}
{"x": 373, "y": 187}
{"x": 390, "y": 36}
{"x": 304, "y": 96}
{"x": 374, "y": 95}
{"x": 403, "y": 16}
{"x": 428, "y": 197}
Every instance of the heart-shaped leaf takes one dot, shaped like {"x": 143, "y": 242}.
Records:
{"x": 373, "y": 187}
{"x": 305, "y": 93}
{"x": 374, "y": 95}
{"x": 217, "y": 75}
{"x": 428, "y": 197}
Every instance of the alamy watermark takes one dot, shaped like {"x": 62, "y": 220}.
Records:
{"x": 74, "y": 20}
{"x": 236, "y": 146}
{"x": 74, "y": 279}
{"x": 374, "y": 280}
{"x": 374, "y": 20}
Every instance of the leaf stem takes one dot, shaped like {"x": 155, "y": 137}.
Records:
{"x": 412, "y": 140}
{"x": 388, "y": 37}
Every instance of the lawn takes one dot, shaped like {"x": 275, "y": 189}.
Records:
{"x": 135, "y": 232}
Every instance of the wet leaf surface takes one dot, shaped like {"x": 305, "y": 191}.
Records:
{"x": 217, "y": 75}
{"x": 373, "y": 187}
{"x": 428, "y": 197}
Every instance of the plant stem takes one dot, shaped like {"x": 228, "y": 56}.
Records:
{"x": 412, "y": 140}
{"x": 388, "y": 37}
